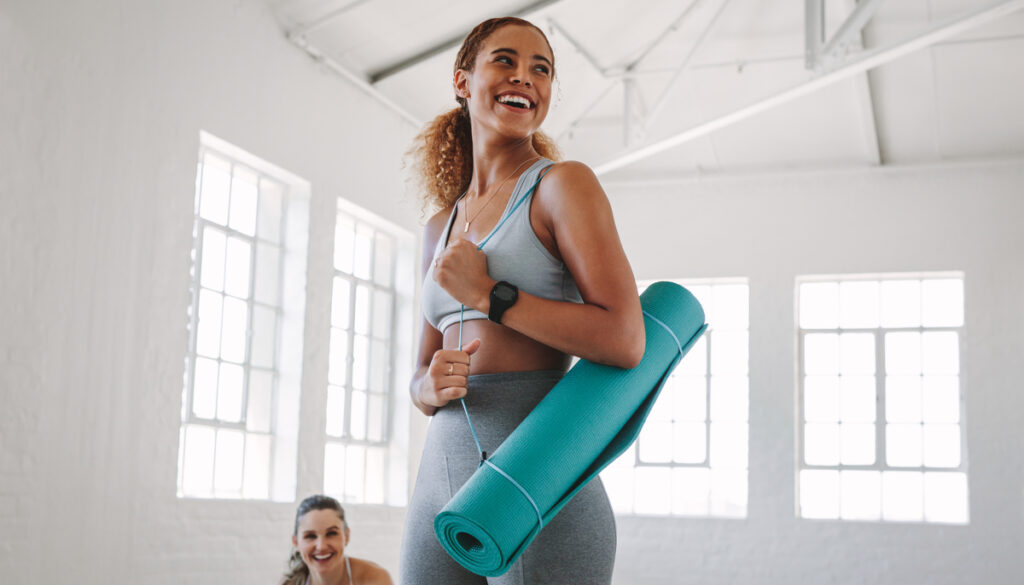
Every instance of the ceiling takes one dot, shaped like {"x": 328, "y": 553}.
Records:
{"x": 663, "y": 89}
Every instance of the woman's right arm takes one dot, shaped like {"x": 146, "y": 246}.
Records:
{"x": 432, "y": 387}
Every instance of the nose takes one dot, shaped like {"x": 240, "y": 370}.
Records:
{"x": 521, "y": 77}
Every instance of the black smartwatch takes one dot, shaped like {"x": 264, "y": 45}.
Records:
{"x": 503, "y": 296}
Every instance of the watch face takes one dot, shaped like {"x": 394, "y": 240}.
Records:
{"x": 504, "y": 292}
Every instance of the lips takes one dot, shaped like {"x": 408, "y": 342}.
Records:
{"x": 516, "y": 100}
{"x": 322, "y": 558}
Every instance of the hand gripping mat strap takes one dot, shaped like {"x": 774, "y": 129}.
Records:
{"x": 590, "y": 417}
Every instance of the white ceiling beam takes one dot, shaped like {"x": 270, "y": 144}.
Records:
{"x": 586, "y": 111}
{"x": 448, "y": 44}
{"x": 814, "y": 31}
{"x": 862, "y": 89}
{"x": 355, "y": 80}
{"x": 557, "y": 29}
{"x": 661, "y": 37}
{"x": 308, "y": 27}
{"x": 866, "y": 61}
{"x": 662, "y": 101}
{"x": 835, "y": 49}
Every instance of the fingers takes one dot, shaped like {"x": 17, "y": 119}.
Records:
{"x": 472, "y": 347}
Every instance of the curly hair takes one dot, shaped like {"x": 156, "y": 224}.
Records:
{"x": 297, "y": 569}
{"x": 442, "y": 154}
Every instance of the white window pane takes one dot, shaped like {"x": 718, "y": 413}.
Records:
{"x": 256, "y": 483}
{"x": 729, "y": 398}
{"x": 940, "y": 352}
{"x": 704, "y": 296}
{"x": 360, "y": 359}
{"x": 208, "y": 335}
{"x": 821, "y": 444}
{"x": 340, "y": 303}
{"x": 227, "y": 476}
{"x": 821, "y": 398}
{"x": 695, "y": 362}
{"x": 903, "y": 353}
{"x": 691, "y": 490}
{"x": 857, "y": 444}
{"x": 903, "y": 496}
{"x": 858, "y": 304}
{"x": 903, "y": 445}
{"x": 259, "y": 405}
{"x": 229, "y": 393}
{"x": 233, "y": 336}
{"x": 856, "y": 353}
{"x": 656, "y": 442}
{"x": 269, "y": 217}
{"x": 689, "y": 442}
{"x": 355, "y": 473}
{"x": 338, "y": 368}
{"x": 819, "y": 305}
{"x": 942, "y": 445}
{"x": 819, "y": 494}
{"x": 729, "y": 352}
{"x": 334, "y": 470}
{"x": 212, "y": 269}
{"x": 374, "y": 476}
{"x": 861, "y": 495}
{"x": 375, "y": 417}
{"x": 268, "y": 274}
{"x": 363, "y": 257}
{"x": 691, "y": 396}
{"x": 236, "y": 277}
{"x": 362, "y": 310}
{"x": 379, "y": 366}
{"x": 264, "y": 337}
{"x": 730, "y": 306}
{"x": 382, "y": 264}
{"x": 382, "y": 314}
{"x": 243, "y": 201}
{"x": 335, "y": 411}
{"x": 729, "y": 445}
{"x": 653, "y": 490}
{"x": 204, "y": 389}
{"x": 901, "y": 303}
{"x": 216, "y": 181}
{"x": 903, "y": 399}
{"x": 357, "y": 416}
{"x": 198, "y": 474}
{"x": 618, "y": 483}
{"x": 945, "y": 497}
{"x": 941, "y": 399}
{"x": 729, "y": 493}
{"x": 942, "y": 303}
{"x": 821, "y": 353}
{"x": 344, "y": 243}
{"x": 662, "y": 409}
{"x": 857, "y": 399}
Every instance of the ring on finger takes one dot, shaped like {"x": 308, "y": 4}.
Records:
{"x": 451, "y": 369}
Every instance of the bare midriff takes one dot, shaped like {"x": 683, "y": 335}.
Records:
{"x": 503, "y": 349}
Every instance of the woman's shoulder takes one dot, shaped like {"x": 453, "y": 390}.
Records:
{"x": 369, "y": 572}
{"x": 569, "y": 182}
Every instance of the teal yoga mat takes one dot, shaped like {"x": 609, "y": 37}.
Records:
{"x": 591, "y": 416}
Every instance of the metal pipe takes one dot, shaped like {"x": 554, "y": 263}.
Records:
{"x": 304, "y": 29}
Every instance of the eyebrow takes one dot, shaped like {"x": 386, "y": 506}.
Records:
{"x": 516, "y": 53}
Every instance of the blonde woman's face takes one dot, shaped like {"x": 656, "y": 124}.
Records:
{"x": 509, "y": 89}
{"x": 321, "y": 540}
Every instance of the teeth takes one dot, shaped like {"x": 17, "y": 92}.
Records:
{"x": 515, "y": 99}
{"x": 323, "y": 557}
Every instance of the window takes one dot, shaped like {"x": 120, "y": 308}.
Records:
{"x": 370, "y": 321}
{"x": 241, "y": 383}
{"x": 691, "y": 456}
{"x": 880, "y": 397}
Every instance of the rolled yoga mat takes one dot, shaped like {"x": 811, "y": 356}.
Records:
{"x": 586, "y": 420}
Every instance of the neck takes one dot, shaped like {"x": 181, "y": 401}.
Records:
{"x": 336, "y": 577}
{"x": 493, "y": 161}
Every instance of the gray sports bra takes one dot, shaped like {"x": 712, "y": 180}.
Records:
{"x": 514, "y": 254}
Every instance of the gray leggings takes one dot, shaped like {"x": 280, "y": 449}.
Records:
{"x": 576, "y": 548}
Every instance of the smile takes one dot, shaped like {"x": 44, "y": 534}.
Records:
{"x": 516, "y": 101}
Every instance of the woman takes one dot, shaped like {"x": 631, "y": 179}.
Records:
{"x": 552, "y": 281}
{"x": 320, "y": 537}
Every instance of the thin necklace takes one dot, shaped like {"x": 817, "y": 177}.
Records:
{"x": 490, "y": 197}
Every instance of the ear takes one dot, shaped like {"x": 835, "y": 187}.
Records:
{"x": 295, "y": 541}
{"x": 347, "y": 533}
{"x": 461, "y": 83}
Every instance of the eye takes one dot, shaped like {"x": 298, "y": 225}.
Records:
{"x": 543, "y": 69}
{"x": 310, "y": 536}
{"x": 503, "y": 59}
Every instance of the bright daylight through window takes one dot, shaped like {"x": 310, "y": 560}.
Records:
{"x": 691, "y": 456}
{"x": 881, "y": 437}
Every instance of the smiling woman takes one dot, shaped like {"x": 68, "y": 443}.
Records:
{"x": 319, "y": 540}
{"x": 524, "y": 260}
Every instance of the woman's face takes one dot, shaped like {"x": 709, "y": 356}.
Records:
{"x": 509, "y": 89}
{"x": 321, "y": 540}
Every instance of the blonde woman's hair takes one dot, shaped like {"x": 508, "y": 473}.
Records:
{"x": 442, "y": 154}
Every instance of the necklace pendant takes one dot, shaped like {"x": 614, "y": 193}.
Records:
{"x": 466, "y": 227}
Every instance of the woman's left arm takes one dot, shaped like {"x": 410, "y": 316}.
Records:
{"x": 608, "y": 326}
